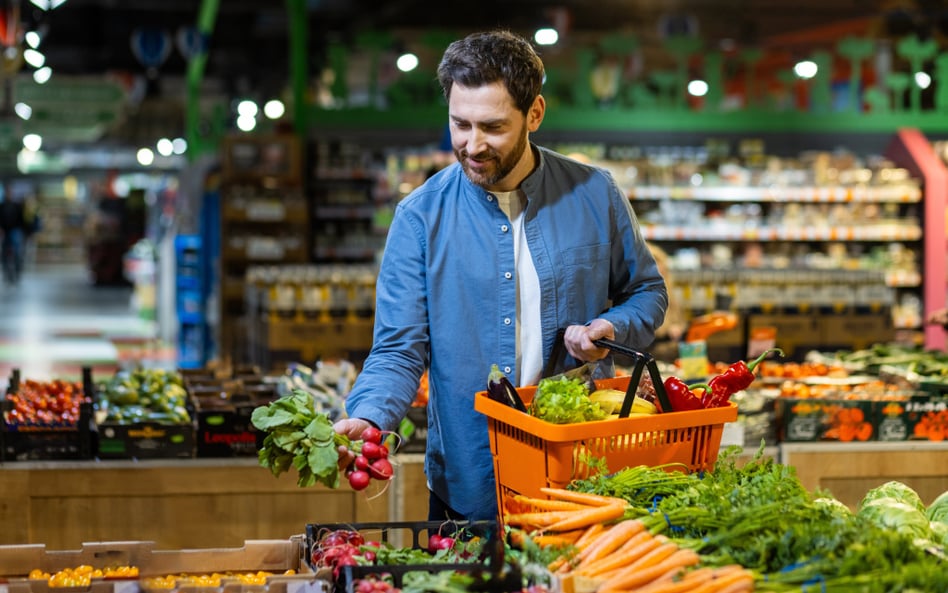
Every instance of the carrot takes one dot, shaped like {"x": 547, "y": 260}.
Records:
{"x": 650, "y": 567}
{"x": 587, "y": 498}
{"x": 668, "y": 584}
{"x": 549, "y": 540}
{"x": 724, "y": 578}
{"x": 589, "y": 535}
{"x": 636, "y": 547}
{"x": 546, "y": 504}
{"x": 616, "y": 538}
{"x": 581, "y": 519}
{"x": 539, "y": 518}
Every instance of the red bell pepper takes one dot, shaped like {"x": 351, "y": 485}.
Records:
{"x": 738, "y": 376}
{"x": 680, "y": 395}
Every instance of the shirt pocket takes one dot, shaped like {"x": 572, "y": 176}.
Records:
{"x": 587, "y": 278}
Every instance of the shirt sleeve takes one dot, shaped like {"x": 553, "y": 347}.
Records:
{"x": 389, "y": 380}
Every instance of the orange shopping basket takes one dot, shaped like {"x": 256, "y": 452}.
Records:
{"x": 530, "y": 453}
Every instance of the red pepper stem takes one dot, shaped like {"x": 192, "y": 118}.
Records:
{"x": 753, "y": 364}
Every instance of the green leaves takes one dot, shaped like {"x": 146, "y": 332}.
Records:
{"x": 564, "y": 401}
{"x": 299, "y": 437}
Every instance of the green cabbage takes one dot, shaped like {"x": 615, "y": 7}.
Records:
{"x": 895, "y": 515}
{"x": 896, "y": 490}
{"x": 938, "y": 509}
{"x": 939, "y": 532}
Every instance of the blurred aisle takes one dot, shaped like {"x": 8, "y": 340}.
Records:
{"x": 55, "y": 321}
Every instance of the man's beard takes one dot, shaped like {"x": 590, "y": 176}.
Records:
{"x": 502, "y": 165}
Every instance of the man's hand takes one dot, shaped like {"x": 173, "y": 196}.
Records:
{"x": 352, "y": 428}
{"x": 579, "y": 339}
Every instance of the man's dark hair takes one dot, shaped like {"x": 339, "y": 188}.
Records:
{"x": 485, "y": 58}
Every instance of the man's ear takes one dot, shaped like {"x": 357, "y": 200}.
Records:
{"x": 535, "y": 114}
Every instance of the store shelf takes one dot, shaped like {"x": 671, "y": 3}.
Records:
{"x": 882, "y": 233}
{"x": 901, "y": 194}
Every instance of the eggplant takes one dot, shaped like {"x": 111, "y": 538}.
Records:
{"x": 500, "y": 389}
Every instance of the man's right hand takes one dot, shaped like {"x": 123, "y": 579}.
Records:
{"x": 352, "y": 428}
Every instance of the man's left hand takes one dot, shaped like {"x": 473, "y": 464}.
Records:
{"x": 579, "y": 339}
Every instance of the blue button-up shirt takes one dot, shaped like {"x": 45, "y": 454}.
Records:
{"x": 447, "y": 295}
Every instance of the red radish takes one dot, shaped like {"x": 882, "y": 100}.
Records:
{"x": 434, "y": 542}
{"x": 372, "y": 435}
{"x": 361, "y": 462}
{"x": 381, "y": 469}
{"x": 446, "y": 543}
{"x": 371, "y": 450}
{"x": 383, "y": 450}
{"x": 359, "y": 479}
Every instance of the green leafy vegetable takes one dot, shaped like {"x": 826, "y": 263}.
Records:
{"x": 894, "y": 514}
{"x": 299, "y": 437}
{"x": 898, "y": 491}
{"x": 938, "y": 509}
{"x": 564, "y": 401}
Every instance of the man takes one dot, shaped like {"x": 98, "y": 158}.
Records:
{"x": 486, "y": 260}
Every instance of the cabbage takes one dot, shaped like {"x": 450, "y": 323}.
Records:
{"x": 938, "y": 509}
{"x": 896, "y": 490}
{"x": 939, "y": 532}
{"x": 892, "y": 514}
{"x": 834, "y": 506}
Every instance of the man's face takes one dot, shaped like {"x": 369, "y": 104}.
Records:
{"x": 489, "y": 135}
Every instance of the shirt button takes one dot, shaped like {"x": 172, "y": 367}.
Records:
{"x": 506, "y": 321}
{"x": 507, "y": 370}
{"x": 490, "y": 197}
{"x": 508, "y": 275}
{"x": 504, "y": 227}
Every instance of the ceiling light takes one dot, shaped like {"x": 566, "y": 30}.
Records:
{"x": 246, "y": 123}
{"x": 546, "y": 36}
{"x": 165, "y": 147}
{"x": 47, "y": 4}
{"x": 32, "y": 142}
{"x": 179, "y": 145}
{"x": 42, "y": 75}
{"x": 805, "y": 69}
{"x": 407, "y": 62}
{"x": 34, "y": 58}
{"x": 274, "y": 109}
{"x": 923, "y": 80}
{"x": 32, "y": 39}
{"x": 697, "y": 88}
{"x": 247, "y": 108}
{"x": 145, "y": 156}
{"x": 23, "y": 110}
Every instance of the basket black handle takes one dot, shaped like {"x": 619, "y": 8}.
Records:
{"x": 642, "y": 361}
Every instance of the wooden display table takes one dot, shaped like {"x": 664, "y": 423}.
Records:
{"x": 849, "y": 470}
{"x": 188, "y": 503}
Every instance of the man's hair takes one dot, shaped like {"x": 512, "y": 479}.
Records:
{"x": 488, "y": 57}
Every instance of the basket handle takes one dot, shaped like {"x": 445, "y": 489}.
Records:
{"x": 643, "y": 361}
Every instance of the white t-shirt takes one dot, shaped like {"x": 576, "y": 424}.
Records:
{"x": 529, "y": 334}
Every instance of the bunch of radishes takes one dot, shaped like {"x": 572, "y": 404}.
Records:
{"x": 371, "y": 461}
{"x": 343, "y": 547}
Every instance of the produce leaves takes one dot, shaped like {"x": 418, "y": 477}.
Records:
{"x": 563, "y": 400}
{"x": 299, "y": 437}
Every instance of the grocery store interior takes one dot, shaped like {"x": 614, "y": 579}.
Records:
{"x": 204, "y": 190}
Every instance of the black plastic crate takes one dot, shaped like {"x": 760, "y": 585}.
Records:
{"x": 491, "y": 574}
{"x": 506, "y": 580}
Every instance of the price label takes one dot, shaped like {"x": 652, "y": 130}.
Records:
{"x": 761, "y": 339}
{"x": 693, "y": 359}
{"x": 264, "y": 248}
{"x": 265, "y": 210}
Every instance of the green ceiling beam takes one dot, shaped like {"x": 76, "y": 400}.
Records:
{"x": 207, "y": 16}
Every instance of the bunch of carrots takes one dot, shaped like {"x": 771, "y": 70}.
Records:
{"x": 604, "y": 552}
